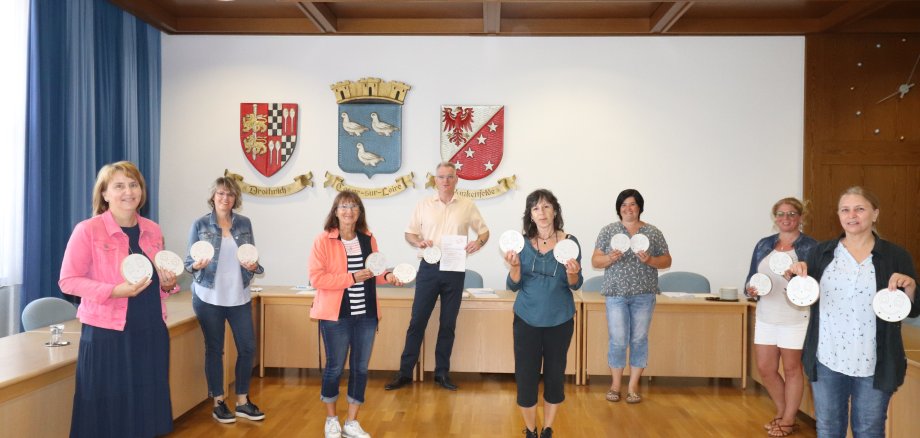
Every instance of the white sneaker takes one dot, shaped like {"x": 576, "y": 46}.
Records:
{"x": 353, "y": 430}
{"x": 333, "y": 429}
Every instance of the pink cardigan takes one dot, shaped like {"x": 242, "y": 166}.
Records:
{"x": 92, "y": 268}
{"x": 329, "y": 275}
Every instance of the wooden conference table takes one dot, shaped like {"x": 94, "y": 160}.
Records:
{"x": 37, "y": 382}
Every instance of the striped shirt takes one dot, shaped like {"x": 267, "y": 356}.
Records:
{"x": 355, "y": 301}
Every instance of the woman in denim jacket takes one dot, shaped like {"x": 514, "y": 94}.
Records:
{"x": 221, "y": 293}
{"x": 780, "y": 327}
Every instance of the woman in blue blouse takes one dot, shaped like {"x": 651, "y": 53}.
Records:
{"x": 544, "y": 311}
{"x": 854, "y": 359}
{"x": 630, "y": 289}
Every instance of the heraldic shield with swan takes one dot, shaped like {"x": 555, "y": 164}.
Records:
{"x": 473, "y": 137}
{"x": 268, "y": 134}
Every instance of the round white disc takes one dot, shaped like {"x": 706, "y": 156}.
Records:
{"x": 169, "y": 261}
{"x": 761, "y": 283}
{"x": 802, "y": 291}
{"x": 565, "y": 250}
{"x": 620, "y": 242}
{"x": 377, "y": 263}
{"x": 432, "y": 255}
{"x": 780, "y": 262}
{"x": 511, "y": 240}
{"x": 201, "y": 250}
{"x": 891, "y": 305}
{"x": 638, "y": 242}
{"x": 404, "y": 272}
{"x": 247, "y": 253}
{"x": 136, "y": 268}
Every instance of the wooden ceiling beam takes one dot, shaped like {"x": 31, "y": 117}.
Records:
{"x": 883, "y": 25}
{"x": 150, "y": 12}
{"x": 575, "y": 26}
{"x": 491, "y": 17}
{"x": 247, "y": 26}
{"x": 666, "y": 15}
{"x": 321, "y": 16}
{"x": 743, "y": 26}
{"x": 848, "y": 13}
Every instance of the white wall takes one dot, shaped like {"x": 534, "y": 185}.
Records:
{"x": 709, "y": 129}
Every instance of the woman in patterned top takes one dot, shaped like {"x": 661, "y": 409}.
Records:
{"x": 630, "y": 287}
{"x": 346, "y": 306}
{"x": 780, "y": 329}
{"x": 854, "y": 359}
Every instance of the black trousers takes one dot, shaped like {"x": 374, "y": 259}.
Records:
{"x": 536, "y": 347}
{"x": 430, "y": 284}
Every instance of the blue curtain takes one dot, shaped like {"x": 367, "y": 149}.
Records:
{"x": 93, "y": 98}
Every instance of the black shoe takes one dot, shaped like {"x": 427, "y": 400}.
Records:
{"x": 249, "y": 411}
{"x": 444, "y": 382}
{"x": 530, "y": 433}
{"x": 222, "y": 413}
{"x": 547, "y": 432}
{"x": 398, "y": 382}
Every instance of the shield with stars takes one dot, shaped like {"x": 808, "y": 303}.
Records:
{"x": 268, "y": 134}
{"x": 473, "y": 138}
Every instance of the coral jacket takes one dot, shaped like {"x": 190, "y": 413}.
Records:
{"x": 329, "y": 275}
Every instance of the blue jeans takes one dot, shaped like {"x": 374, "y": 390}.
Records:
{"x": 836, "y": 394}
{"x": 628, "y": 321}
{"x": 211, "y": 318}
{"x": 357, "y": 334}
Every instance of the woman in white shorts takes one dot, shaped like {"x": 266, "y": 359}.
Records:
{"x": 781, "y": 325}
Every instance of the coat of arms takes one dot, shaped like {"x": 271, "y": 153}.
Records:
{"x": 370, "y": 125}
{"x": 473, "y": 137}
{"x": 268, "y": 134}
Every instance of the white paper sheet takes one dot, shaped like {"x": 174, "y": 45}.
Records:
{"x": 453, "y": 253}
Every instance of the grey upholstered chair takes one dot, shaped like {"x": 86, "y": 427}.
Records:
{"x": 472, "y": 279}
{"x": 46, "y": 311}
{"x": 593, "y": 284}
{"x": 683, "y": 282}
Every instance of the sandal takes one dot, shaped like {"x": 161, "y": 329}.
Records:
{"x": 772, "y": 423}
{"x": 783, "y": 430}
{"x": 633, "y": 397}
{"x": 613, "y": 396}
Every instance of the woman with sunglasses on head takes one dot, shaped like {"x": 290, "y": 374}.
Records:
{"x": 780, "y": 328}
{"x": 544, "y": 311}
{"x": 630, "y": 289}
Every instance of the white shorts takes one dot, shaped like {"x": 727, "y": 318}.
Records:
{"x": 790, "y": 337}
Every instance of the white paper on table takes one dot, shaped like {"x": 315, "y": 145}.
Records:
{"x": 681, "y": 294}
{"x": 482, "y": 292}
{"x": 453, "y": 253}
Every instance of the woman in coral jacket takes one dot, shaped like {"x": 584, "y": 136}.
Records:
{"x": 122, "y": 378}
{"x": 346, "y": 306}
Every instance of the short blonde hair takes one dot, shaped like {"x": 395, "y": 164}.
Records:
{"x": 105, "y": 177}
{"x": 800, "y": 207}
{"x": 229, "y": 184}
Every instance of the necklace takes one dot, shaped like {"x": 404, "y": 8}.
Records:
{"x": 545, "y": 239}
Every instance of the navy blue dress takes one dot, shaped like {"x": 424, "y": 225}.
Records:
{"x": 122, "y": 381}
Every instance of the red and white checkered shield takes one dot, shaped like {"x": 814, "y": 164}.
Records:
{"x": 268, "y": 134}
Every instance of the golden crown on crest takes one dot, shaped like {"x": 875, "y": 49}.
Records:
{"x": 370, "y": 89}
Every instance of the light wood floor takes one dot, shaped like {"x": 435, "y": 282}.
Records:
{"x": 485, "y": 407}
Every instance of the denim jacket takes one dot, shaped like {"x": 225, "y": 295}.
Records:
{"x": 803, "y": 245}
{"x": 206, "y": 228}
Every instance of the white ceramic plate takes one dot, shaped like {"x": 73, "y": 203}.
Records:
{"x": 638, "y": 242}
{"x": 780, "y": 262}
{"x": 761, "y": 283}
{"x": 135, "y": 268}
{"x": 565, "y": 250}
{"x": 377, "y": 263}
{"x": 201, "y": 250}
{"x": 620, "y": 242}
{"x": 891, "y": 305}
{"x": 247, "y": 253}
{"x": 404, "y": 272}
{"x": 511, "y": 240}
{"x": 802, "y": 291}
{"x": 432, "y": 255}
{"x": 169, "y": 261}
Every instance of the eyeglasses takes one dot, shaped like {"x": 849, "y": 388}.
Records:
{"x": 224, "y": 194}
{"x": 348, "y": 207}
{"x": 789, "y": 214}
{"x": 543, "y": 270}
